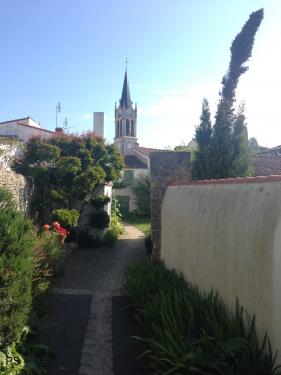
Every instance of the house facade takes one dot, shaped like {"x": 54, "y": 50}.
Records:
{"x": 24, "y": 129}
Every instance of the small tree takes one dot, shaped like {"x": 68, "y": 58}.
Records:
{"x": 203, "y": 134}
{"x": 67, "y": 167}
{"x": 241, "y": 164}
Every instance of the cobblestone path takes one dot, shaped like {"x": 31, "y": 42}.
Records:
{"x": 98, "y": 273}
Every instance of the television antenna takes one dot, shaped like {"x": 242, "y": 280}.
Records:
{"x": 65, "y": 123}
{"x": 58, "y": 110}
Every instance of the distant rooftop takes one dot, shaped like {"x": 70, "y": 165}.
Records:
{"x": 24, "y": 121}
{"x": 132, "y": 162}
{"x": 146, "y": 151}
{"x": 266, "y": 165}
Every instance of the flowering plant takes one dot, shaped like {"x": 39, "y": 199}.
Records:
{"x": 57, "y": 228}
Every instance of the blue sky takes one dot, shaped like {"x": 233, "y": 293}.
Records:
{"x": 74, "y": 52}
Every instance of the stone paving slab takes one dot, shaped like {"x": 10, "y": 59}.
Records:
{"x": 125, "y": 348}
{"x": 64, "y": 330}
{"x": 97, "y": 274}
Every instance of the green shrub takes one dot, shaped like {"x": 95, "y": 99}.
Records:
{"x": 16, "y": 270}
{"x": 141, "y": 189}
{"x": 6, "y": 199}
{"x": 100, "y": 219}
{"x": 110, "y": 237}
{"x": 48, "y": 257}
{"x": 143, "y": 279}
{"x": 188, "y": 332}
{"x": 67, "y": 218}
{"x": 100, "y": 201}
{"x": 115, "y": 209}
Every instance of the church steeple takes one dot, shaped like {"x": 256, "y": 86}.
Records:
{"x": 125, "y": 121}
{"x": 125, "y": 100}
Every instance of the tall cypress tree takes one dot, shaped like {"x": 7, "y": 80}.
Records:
{"x": 203, "y": 134}
{"x": 228, "y": 149}
{"x": 241, "y": 165}
{"x": 241, "y": 50}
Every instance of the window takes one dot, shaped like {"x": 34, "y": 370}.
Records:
{"x": 120, "y": 128}
{"x": 127, "y": 127}
{"x": 132, "y": 129}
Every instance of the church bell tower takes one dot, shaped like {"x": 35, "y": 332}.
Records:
{"x": 125, "y": 122}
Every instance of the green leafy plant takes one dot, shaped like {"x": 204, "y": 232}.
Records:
{"x": 115, "y": 208}
{"x": 110, "y": 237}
{"x": 67, "y": 218}
{"x": 100, "y": 201}
{"x": 100, "y": 219}
{"x": 186, "y": 331}
{"x": 141, "y": 189}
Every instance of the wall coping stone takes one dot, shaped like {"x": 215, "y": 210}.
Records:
{"x": 228, "y": 181}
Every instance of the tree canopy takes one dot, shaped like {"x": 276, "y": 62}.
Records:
{"x": 68, "y": 167}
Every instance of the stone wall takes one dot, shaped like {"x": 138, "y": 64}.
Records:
{"x": 165, "y": 167}
{"x": 18, "y": 185}
{"x": 226, "y": 234}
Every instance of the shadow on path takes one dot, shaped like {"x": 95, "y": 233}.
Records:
{"x": 125, "y": 348}
{"x": 63, "y": 331}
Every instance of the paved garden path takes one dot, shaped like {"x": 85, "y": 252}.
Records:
{"x": 79, "y": 328}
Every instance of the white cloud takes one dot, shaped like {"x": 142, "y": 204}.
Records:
{"x": 260, "y": 88}
{"x": 174, "y": 113}
{"x": 173, "y": 116}
{"x": 87, "y": 116}
{"x": 109, "y": 119}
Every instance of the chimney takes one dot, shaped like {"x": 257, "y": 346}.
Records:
{"x": 99, "y": 124}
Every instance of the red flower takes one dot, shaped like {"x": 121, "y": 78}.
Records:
{"x": 56, "y": 225}
{"x": 46, "y": 227}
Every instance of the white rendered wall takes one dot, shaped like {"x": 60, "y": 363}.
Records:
{"x": 228, "y": 236}
{"x": 22, "y": 132}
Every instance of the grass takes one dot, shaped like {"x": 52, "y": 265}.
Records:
{"x": 142, "y": 223}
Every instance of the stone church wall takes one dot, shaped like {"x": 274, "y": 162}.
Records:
{"x": 226, "y": 234}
